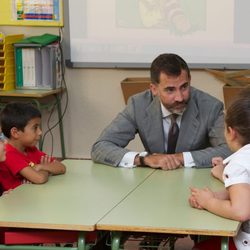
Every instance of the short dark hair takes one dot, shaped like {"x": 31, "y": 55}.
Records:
{"x": 170, "y": 64}
{"x": 17, "y": 114}
{"x": 238, "y": 116}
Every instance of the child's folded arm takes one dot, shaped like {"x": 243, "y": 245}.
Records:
{"x": 54, "y": 168}
{"x": 34, "y": 176}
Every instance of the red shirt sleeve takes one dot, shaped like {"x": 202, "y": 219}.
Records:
{"x": 16, "y": 160}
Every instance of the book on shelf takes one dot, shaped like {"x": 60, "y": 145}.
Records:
{"x": 38, "y": 67}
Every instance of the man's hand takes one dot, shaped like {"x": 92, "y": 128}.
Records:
{"x": 164, "y": 161}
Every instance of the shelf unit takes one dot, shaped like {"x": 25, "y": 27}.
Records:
{"x": 7, "y": 61}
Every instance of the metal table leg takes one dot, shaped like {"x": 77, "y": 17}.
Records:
{"x": 224, "y": 243}
{"x": 81, "y": 241}
{"x": 116, "y": 237}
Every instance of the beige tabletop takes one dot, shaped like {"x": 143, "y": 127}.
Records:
{"x": 74, "y": 201}
{"x": 160, "y": 204}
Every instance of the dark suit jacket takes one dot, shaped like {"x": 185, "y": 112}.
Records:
{"x": 201, "y": 131}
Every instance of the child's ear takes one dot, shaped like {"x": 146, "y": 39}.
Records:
{"x": 14, "y": 132}
{"x": 232, "y": 132}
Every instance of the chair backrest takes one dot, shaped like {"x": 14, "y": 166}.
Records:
{"x": 131, "y": 86}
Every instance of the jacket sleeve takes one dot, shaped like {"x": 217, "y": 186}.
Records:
{"x": 218, "y": 145}
{"x": 110, "y": 146}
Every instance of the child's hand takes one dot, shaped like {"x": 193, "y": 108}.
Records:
{"x": 25, "y": 181}
{"x": 44, "y": 162}
{"x": 46, "y": 159}
{"x": 218, "y": 168}
{"x": 38, "y": 167}
{"x": 193, "y": 203}
{"x": 202, "y": 196}
{"x": 217, "y": 161}
{"x": 50, "y": 165}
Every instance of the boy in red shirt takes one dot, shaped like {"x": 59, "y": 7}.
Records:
{"x": 20, "y": 123}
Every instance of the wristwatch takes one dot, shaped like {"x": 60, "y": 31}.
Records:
{"x": 142, "y": 155}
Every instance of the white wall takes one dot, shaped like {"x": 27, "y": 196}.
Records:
{"x": 95, "y": 97}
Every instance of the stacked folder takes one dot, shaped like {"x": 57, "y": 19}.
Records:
{"x": 38, "y": 63}
{"x": 7, "y": 64}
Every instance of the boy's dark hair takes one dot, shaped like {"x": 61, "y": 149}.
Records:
{"x": 17, "y": 114}
{"x": 238, "y": 116}
{"x": 170, "y": 64}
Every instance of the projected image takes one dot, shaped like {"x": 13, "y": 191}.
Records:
{"x": 133, "y": 32}
{"x": 174, "y": 15}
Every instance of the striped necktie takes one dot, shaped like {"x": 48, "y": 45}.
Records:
{"x": 173, "y": 134}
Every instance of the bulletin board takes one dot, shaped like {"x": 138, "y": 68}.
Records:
{"x": 31, "y": 13}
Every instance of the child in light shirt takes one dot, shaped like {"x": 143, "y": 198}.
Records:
{"x": 234, "y": 201}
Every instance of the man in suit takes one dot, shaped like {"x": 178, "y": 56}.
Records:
{"x": 199, "y": 123}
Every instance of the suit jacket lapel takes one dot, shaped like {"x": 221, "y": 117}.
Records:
{"x": 189, "y": 127}
{"x": 154, "y": 127}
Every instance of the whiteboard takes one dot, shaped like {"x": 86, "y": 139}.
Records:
{"x": 131, "y": 33}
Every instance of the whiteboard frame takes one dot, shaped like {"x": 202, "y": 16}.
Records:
{"x": 119, "y": 65}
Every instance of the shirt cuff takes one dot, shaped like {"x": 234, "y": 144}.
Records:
{"x": 128, "y": 160}
{"x": 188, "y": 160}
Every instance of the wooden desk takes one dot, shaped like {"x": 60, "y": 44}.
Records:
{"x": 160, "y": 205}
{"x": 74, "y": 201}
{"x": 42, "y": 99}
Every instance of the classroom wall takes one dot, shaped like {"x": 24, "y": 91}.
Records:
{"x": 95, "y": 97}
